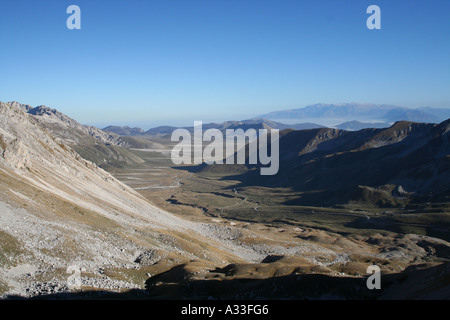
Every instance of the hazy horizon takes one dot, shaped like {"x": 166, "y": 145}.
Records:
{"x": 159, "y": 62}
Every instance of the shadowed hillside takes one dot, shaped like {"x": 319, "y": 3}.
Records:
{"x": 408, "y": 162}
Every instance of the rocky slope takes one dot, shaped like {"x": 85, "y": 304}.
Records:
{"x": 64, "y": 127}
{"x": 98, "y": 146}
{"x": 59, "y": 210}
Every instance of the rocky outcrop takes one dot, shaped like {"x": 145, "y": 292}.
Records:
{"x": 98, "y": 146}
{"x": 67, "y": 128}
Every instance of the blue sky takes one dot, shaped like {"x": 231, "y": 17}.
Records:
{"x": 150, "y": 62}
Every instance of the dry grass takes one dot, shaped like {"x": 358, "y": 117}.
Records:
{"x": 10, "y": 250}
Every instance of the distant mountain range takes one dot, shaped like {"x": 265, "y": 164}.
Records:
{"x": 257, "y": 123}
{"x": 346, "y": 116}
{"x": 124, "y": 131}
{"x": 359, "y": 111}
{"x": 357, "y": 125}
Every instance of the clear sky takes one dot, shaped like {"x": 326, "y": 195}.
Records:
{"x": 161, "y": 61}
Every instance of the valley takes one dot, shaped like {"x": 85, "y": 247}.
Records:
{"x": 333, "y": 241}
{"x": 216, "y": 158}
{"x": 136, "y": 226}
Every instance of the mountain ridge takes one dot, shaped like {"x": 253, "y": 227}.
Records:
{"x": 328, "y": 166}
{"x": 256, "y": 123}
{"x": 366, "y": 111}
{"x": 57, "y": 123}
